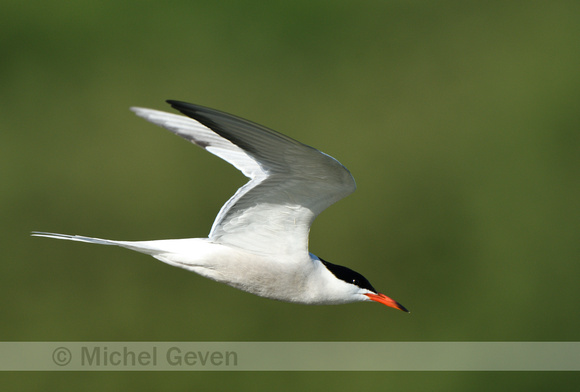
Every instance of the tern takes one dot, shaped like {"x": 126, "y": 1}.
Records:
{"x": 259, "y": 240}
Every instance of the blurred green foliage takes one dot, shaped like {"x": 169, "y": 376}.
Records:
{"x": 459, "y": 121}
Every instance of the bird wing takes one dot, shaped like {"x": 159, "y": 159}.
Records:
{"x": 290, "y": 182}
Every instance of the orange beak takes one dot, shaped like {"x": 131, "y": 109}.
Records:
{"x": 383, "y": 299}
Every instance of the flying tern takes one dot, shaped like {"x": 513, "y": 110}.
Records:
{"x": 259, "y": 240}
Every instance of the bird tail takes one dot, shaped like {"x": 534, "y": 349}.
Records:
{"x": 139, "y": 246}
{"x": 79, "y": 238}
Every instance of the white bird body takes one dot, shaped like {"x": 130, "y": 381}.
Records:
{"x": 262, "y": 275}
{"x": 259, "y": 240}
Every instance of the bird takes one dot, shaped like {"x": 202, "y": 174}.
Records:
{"x": 258, "y": 242}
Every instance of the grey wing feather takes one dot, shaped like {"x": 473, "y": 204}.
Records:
{"x": 291, "y": 183}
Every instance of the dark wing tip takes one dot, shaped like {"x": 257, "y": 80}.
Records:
{"x": 211, "y": 118}
{"x": 191, "y": 108}
{"x": 174, "y": 102}
{"x": 184, "y": 107}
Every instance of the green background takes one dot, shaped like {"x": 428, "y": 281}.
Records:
{"x": 459, "y": 120}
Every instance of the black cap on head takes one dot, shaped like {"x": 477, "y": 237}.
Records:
{"x": 348, "y": 275}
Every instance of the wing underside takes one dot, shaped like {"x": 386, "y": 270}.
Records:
{"x": 290, "y": 182}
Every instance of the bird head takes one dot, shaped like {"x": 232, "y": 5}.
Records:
{"x": 361, "y": 287}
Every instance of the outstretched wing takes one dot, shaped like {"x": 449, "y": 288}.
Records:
{"x": 290, "y": 182}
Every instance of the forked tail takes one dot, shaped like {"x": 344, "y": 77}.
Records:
{"x": 79, "y": 238}
{"x": 148, "y": 247}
